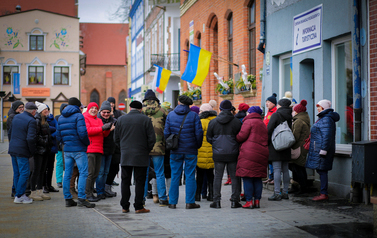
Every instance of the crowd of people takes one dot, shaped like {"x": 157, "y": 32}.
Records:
{"x": 91, "y": 143}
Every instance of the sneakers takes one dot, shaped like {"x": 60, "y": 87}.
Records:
{"x": 284, "y": 196}
{"x": 70, "y": 203}
{"x": 51, "y": 189}
{"x": 155, "y": 198}
{"x": 275, "y": 197}
{"x": 35, "y": 196}
{"x": 45, "y": 190}
{"x": 109, "y": 192}
{"x": 59, "y": 185}
{"x": 93, "y": 199}
{"x": 85, "y": 203}
{"x": 44, "y": 196}
{"x": 142, "y": 211}
{"x": 192, "y": 205}
{"x": 164, "y": 203}
{"x": 115, "y": 183}
{"x": 101, "y": 196}
{"x": 249, "y": 205}
{"x": 321, "y": 197}
{"x": 23, "y": 200}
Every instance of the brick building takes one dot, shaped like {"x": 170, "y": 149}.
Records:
{"x": 230, "y": 30}
{"x": 106, "y": 59}
{"x": 373, "y": 68}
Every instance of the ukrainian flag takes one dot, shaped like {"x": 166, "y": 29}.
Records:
{"x": 161, "y": 77}
{"x": 197, "y": 65}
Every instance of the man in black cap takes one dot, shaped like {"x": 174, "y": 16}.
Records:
{"x": 221, "y": 133}
{"x": 190, "y": 140}
{"x": 135, "y": 136}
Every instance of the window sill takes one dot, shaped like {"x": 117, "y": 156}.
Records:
{"x": 343, "y": 150}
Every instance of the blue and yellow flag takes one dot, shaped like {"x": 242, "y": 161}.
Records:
{"x": 197, "y": 65}
{"x": 161, "y": 78}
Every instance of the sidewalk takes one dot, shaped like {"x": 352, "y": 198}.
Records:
{"x": 296, "y": 217}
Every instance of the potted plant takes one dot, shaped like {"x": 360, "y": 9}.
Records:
{"x": 240, "y": 85}
{"x": 252, "y": 79}
{"x": 197, "y": 93}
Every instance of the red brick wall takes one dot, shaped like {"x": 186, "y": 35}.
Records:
{"x": 202, "y": 12}
{"x": 373, "y": 67}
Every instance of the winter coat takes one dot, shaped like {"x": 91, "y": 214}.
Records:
{"x": 44, "y": 140}
{"x": 240, "y": 115}
{"x": 11, "y": 114}
{"x": 62, "y": 106}
{"x": 135, "y": 136}
{"x": 267, "y": 117}
{"x": 221, "y": 133}
{"x": 72, "y": 130}
{"x": 322, "y": 137}
{"x": 253, "y": 157}
{"x": 108, "y": 141}
{"x": 158, "y": 115}
{"x": 301, "y": 131}
{"x": 282, "y": 114}
{"x": 205, "y": 154}
{"x": 191, "y": 137}
{"x": 117, "y": 113}
{"x": 53, "y": 127}
{"x": 95, "y": 133}
{"x": 23, "y": 136}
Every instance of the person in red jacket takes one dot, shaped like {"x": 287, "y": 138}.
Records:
{"x": 96, "y": 132}
{"x": 271, "y": 106}
{"x": 253, "y": 157}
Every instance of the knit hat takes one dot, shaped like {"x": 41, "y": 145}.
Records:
{"x": 105, "y": 106}
{"x": 205, "y": 107}
{"x": 226, "y": 105}
{"x": 16, "y": 104}
{"x": 284, "y": 102}
{"x": 31, "y": 106}
{"x": 272, "y": 98}
{"x": 256, "y": 109}
{"x": 301, "y": 107}
{"x": 213, "y": 103}
{"x": 41, "y": 106}
{"x": 185, "y": 100}
{"x": 93, "y": 104}
{"x": 243, "y": 107}
{"x": 195, "y": 109}
{"x": 74, "y": 101}
{"x": 136, "y": 105}
{"x": 64, "y": 105}
{"x": 150, "y": 95}
{"x": 166, "y": 105}
{"x": 111, "y": 99}
{"x": 325, "y": 104}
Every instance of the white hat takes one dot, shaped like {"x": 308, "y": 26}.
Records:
{"x": 41, "y": 106}
{"x": 325, "y": 104}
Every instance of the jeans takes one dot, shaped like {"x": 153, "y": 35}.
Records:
{"x": 271, "y": 174}
{"x": 20, "y": 174}
{"x": 139, "y": 176}
{"x": 281, "y": 167}
{"x": 323, "y": 176}
{"x": 253, "y": 188}
{"x": 236, "y": 181}
{"x": 94, "y": 165}
{"x": 158, "y": 164}
{"x": 176, "y": 164}
{"x": 103, "y": 172}
{"x": 59, "y": 167}
{"x": 81, "y": 160}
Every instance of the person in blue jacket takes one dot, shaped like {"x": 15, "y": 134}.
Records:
{"x": 190, "y": 141}
{"x": 322, "y": 145}
{"x": 73, "y": 134}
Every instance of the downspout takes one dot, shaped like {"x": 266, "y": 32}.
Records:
{"x": 356, "y": 64}
{"x": 262, "y": 26}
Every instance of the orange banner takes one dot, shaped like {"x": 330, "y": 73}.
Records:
{"x": 35, "y": 92}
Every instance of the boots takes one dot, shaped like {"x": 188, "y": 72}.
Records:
{"x": 155, "y": 198}
{"x": 197, "y": 196}
{"x": 44, "y": 196}
{"x": 229, "y": 181}
{"x": 35, "y": 196}
{"x": 249, "y": 205}
{"x": 108, "y": 191}
{"x": 256, "y": 203}
{"x": 210, "y": 193}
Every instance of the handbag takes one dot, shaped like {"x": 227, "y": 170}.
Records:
{"x": 307, "y": 143}
{"x": 172, "y": 141}
{"x": 282, "y": 137}
{"x": 295, "y": 153}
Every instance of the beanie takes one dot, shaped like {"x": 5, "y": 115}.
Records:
{"x": 272, "y": 98}
{"x": 195, "y": 109}
{"x": 226, "y": 105}
{"x": 284, "y": 102}
{"x": 64, "y": 105}
{"x": 213, "y": 103}
{"x": 206, "y": 107}
{"x": 105, "y": 106}
{"x": 301, "y": 107}
{"x": 93, "y": 104}
{"x": 150, "y": 95}
{"x": 166, "y": 105}
{"x": 136, "y": 105}
{"x": 243, "y": 107}
{"x": 255, "y": 109}
{"x": 185, "y": 100}
{"x": 111, "y": 99}
{"x": 16, "y": 104}
{"x": 74, "y": 101}
{"x": 325, "y": 104}
{"x": 41, "y": 106}
{"x": 31, "y": 106}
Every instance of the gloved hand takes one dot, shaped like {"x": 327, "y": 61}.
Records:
{"x": 107, "y": 126}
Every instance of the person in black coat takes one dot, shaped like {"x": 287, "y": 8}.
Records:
{"x": 280, "y": 159}
{"x": 221, "y": 133}
{"x": 135, "y": 136}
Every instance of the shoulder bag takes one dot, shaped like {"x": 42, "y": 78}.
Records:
{"x": 172, "y": 141}
{"x": 282, "y": 137}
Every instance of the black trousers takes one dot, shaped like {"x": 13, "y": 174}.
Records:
{"x": 39, "y": 172}
{"x": 140, "y": 175}
{"x": 114, "y": 169}
{"x": 299, "y": 175}
{"x": 49, "y": 169}
{"x": 199, "y": 178}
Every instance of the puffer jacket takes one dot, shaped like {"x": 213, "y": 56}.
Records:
{"x": 301, "y": 131}
{"x": 44, "y": 140}
{"x": 240, "y": 115}
{"x": 205, "y": 160}
{"x": 53, "y": 127}
{"x": 11, "y": 114}
{"x": 322, "y": 137}
{"x": 253, "y": 158}
{"x": 72, "y": 130}
{"x": 191, "y": 137}
{"x": 62, "y": 106}
{"x": 158, "y": 115}
{"x": 221, "y": 133}
{"x": 95, "y": 133}
{"x": 282, "y": 114}
{"x": 108, "y": 141}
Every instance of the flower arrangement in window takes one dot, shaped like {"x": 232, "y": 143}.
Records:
{"x": 226, "y": 87}
{"x": 247, "y": 85}
{"x": 194, "y": 94}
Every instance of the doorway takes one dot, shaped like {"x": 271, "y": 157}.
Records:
{"x": 307, "y": 87}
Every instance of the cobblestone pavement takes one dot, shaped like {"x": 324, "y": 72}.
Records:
{"x": 274, "y": 219}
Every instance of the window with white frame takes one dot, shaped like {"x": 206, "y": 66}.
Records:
{"x": 36, "y": 43}
{"x": 36, "y": 75}
{"x": 285, "y": 75}
{"x": 61, "y": 73}
{"x": 161, "y": 34}
{"x": 343, "y": 89}
{"x": 8, "y": 70}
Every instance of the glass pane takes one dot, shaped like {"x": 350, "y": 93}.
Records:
{"x": 39, "y": 69}
{"x": 57, "y": 69}
{"x": 65, "y": 69}
{"x": 6, "y": 69}
{"x": 57, "y": 78}
{"x": 287, "y": 80}
{"x": 344, "y": 92}
{"x": 32, "y": 79}
{"x": 231, "y": 26}
{"x": 33, "y": 43}
{"x": 65, "y": 78}
{"x": 15, "y": 69}
{"x": 252, "y": 13}
{"x": 40, "y": 78}
{"x": 40, "y": 42}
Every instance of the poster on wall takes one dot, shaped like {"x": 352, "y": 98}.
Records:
{"x": 307, "y": 30}
{"x": 191, "y": 28}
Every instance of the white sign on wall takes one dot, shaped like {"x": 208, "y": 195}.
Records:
{"x": 307, "y": 30}
{"x": 191, "y": 29}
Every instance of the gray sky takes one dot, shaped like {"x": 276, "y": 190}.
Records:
{"x": 98, "y": 11}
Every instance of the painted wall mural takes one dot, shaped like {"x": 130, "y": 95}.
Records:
{"x": 12, "y": 38}
{"x": 60, "y": 40}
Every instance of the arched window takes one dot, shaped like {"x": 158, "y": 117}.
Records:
{"x": 199, "y": 40}
{"x": 251, "y": 26}
{"x": 122, "y": 96}
{"x": 94, "y": 96}
{"x": 230, "y": 44}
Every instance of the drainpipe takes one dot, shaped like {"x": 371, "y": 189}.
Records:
{"x": 262, "y": 26}
{"x": 356, "y": 64}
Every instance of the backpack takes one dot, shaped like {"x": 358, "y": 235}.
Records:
{"x": 282, "y": 138}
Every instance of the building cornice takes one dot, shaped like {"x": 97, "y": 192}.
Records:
{"x": 186, "y": 6}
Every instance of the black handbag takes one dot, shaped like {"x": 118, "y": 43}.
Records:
{"x": 172, "y": 141}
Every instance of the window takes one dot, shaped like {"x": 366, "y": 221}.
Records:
{"x": 36, "y": 75}
{"x": 252, "y": 37}
{"x": 230, "y": 44}
{"x": 36, "y": 43}
{"x": 61, "y": 75}
{"x": 285, "y": 64}
{"x": 94, "y": 97}
{"x": 200, "y": 40}
{"x": 7, "y": 71}
{"x": 122, "y": 96}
